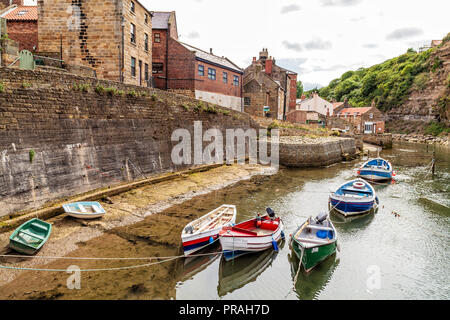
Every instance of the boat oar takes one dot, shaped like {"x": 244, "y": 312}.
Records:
{"x": 299, "y": 268}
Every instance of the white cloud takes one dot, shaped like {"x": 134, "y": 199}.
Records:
{"x": 328, "y": 33}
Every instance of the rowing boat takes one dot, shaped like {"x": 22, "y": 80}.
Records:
{"x": 376, "y": 170}
{"x": 84, "y": 210}
{"x": 353, "y": 198}
{"x": 30, "y": 236}
{"x": 205, "y": 230}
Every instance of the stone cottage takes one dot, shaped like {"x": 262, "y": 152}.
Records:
{"x": 368, "y": 120}
{"x": 113, "y": 37}
{"x": 269, "y": 90}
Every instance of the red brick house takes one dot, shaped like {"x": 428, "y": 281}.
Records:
{"x": 22, "y": 25}
{"x": 164, "y": 26}
{"x": 185, "y": 69}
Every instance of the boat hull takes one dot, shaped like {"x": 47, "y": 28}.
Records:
{"x": 235, "y": 246}
{"x": 194, "y": 243}
{"x": 85, "y": 216}
{"x": 375, "y": 175}
{"x": 351, "y": 207}
{"x": 311, "y": 257}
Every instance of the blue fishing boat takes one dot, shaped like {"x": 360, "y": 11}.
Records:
{"x": 84, "y": 210}
{"x": 376, "y": 170}
{"x": 353, "y": 198}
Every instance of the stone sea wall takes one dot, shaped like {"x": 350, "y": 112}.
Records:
{"x": 316, "y": 153}
{"x": 62, "y": 135}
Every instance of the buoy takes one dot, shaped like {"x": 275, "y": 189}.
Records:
{"x": 211, "y": 239}
{"x": 359, "y": 185}
{"x": 275, "y": 245}
{"x": 282, "y": 235}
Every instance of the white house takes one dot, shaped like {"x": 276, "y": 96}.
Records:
{"x": 317, "y": 104}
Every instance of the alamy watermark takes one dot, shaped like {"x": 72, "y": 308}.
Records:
{"x": 239, "y": 144}
{"x": 373, "y": 282}
{"x": 74, "y": 281}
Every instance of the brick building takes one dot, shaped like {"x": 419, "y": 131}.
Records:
{"x": 258, "y": 96}
{"x": 22, "y": 25}
{"x": 113, "y": 37}
{"x": 368, "y": 120}
{"x": 164, "y": 26}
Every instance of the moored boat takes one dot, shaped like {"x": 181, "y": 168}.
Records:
{"x": 314, "y": 241}
{"x": 353, "y": 198}
{"x": 253, "y": 235}
{"x": 205, "y": 230}
{"x": 84, "y": 210}
{"x": 376, "y": 170}
{"x": 30, "y": 236}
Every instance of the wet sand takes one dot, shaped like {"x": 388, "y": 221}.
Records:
{"x": 139, "y": 223}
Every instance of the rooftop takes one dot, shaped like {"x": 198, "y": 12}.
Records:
{"x": 160, "y": 20}
{"x": 22, "y": 13}
{"x": 223, "y": 61}
{"x": 358, "y": 111}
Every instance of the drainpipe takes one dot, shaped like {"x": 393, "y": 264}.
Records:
{"x": 167, "y": 56}
{"x": 122, "y": 64}
{"x": 285, "y": 98}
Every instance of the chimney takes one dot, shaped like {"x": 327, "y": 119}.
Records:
{"x": 269, "y": 64}
{"x": 210, "y": 51}
{"x": 264, "y": 54}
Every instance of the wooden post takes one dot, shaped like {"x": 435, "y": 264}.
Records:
{"x": 433, "y": 164}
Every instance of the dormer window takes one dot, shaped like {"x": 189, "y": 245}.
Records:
{"x": 22, "y": 13}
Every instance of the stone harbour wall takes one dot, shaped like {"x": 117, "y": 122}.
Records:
{"x": 62, "y": 135}
{"x": 319, "y": 153}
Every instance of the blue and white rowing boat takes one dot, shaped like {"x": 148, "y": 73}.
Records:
{"x": 376, "y": 170}
{"x": 353, "y": 198}
{"x": 84, "y": 210}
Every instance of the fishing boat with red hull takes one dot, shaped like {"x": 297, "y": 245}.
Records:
{"x": 254, "y": 235}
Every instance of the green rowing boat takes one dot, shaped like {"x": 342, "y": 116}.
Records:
{"x": 30, "y": 236}
{"x": 314, "y": 241}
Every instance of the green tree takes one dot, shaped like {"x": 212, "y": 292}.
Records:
{"x": 299, "y": 89}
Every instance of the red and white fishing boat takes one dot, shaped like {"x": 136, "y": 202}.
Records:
{"x": 205, "y": 230}
{"x": 253, "y": 235}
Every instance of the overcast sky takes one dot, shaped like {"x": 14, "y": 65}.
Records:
{"x": 319, "y": 39}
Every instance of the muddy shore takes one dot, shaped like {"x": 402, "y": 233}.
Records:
{"x": 145, "y": 205}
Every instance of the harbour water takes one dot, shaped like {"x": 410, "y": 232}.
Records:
{"x": 383, "y": 256}
{"x": 400, "y": 252}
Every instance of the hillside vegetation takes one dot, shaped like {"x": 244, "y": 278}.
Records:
{"x": 386, "y": 84}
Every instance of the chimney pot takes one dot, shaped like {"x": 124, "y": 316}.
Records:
{"x": 210, "y": 51}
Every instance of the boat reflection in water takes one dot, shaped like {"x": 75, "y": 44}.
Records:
{"x": 309, "y": 285}
{"x": 337, "y": 217}
{"x": 205, "y": 257}
{"x": 240, "y": 272}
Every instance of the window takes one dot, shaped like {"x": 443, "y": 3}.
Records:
{"x": 133, "y": 7}
{"x": 133, "y": 67}
{"x": 146, "y": 42}
{"x": 158, "y": 67}
{"x": 211, "y": 74}
{"x": 201, "y": 70}
{"x": 146, "y": 72}
{"x": 236, "y": 81}
{"x": 371, "y": 116}
{"x": 146, "y": 18}
{"x": 133, "y": 33}
{"x": 225, "y": 77}
{"x": 247, "y": 101}
{"x": 157, "y": 38}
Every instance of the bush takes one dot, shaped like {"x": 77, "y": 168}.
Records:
{"x": 100, "y": 89}
{"x": 132, "y": 93}
{"x": 2, "y": 87}
{"x": 421, "y": 80}
{"x": 436, "y": 128}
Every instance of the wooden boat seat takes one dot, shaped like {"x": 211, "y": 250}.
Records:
{"x": 32, "y": 235}
{"x": 313, "y": 240}
{"x": 82, "y": 208}
{"x": 39, "y": 227}
{"x": 97, "y": 209}
{"x": 319, "y": 228}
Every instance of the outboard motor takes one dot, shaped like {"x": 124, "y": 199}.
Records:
{"x": 189, "y": 229}
{"x": 321, "y": 217}
{"x": 271, "y": 213}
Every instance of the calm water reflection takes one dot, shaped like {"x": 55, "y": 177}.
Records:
{"x": 410, "y": 251}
